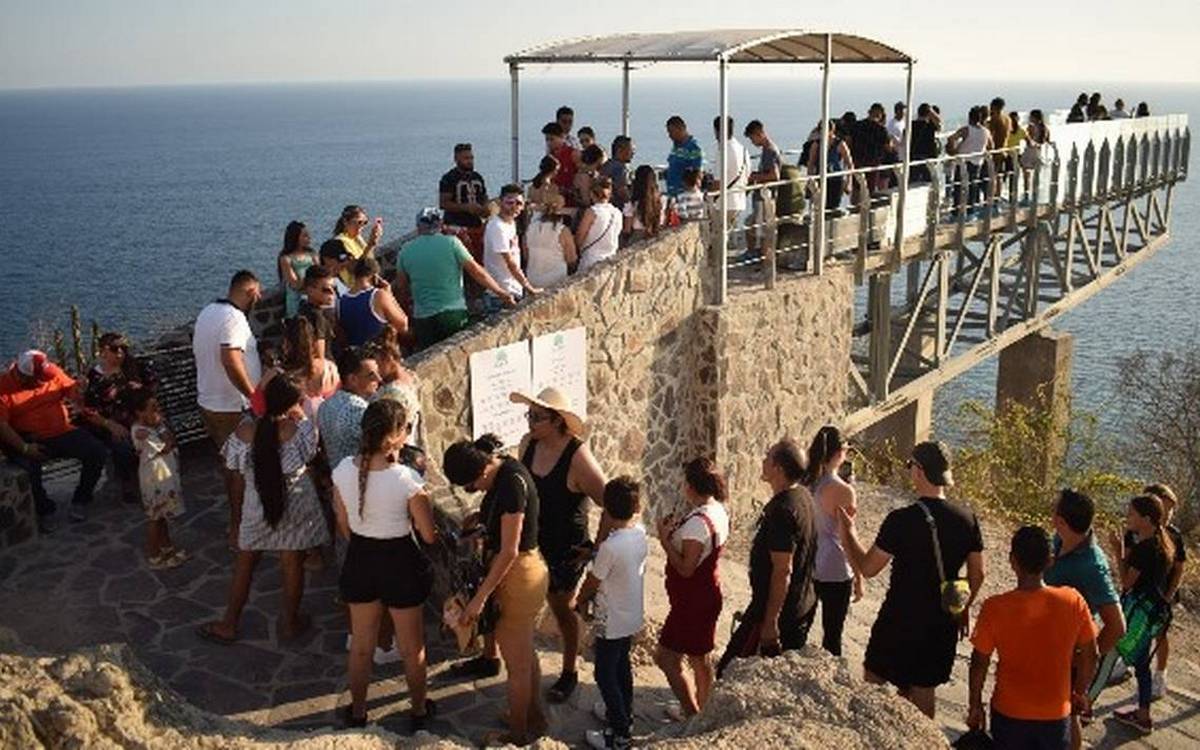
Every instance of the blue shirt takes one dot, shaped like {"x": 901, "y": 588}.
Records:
{"x": 339, "y": 419}
{"x": 684, "y": 156}
{"x": 1086, "y": 570}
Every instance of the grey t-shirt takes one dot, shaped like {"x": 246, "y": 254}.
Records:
{"x": 617, "y": 171}
{"x": 769, "y": 159}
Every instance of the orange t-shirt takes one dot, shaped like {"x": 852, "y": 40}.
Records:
{"x": 1036, "y": 633}
{"x": 38, "y": 411}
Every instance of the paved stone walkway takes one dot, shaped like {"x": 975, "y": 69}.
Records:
{"x": 88, "y": 583}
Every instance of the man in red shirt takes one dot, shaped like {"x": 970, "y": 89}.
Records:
{"x": 568, "y": 161}
{"x": 35, "y": 427}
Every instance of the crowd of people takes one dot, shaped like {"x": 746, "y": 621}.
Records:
{"x": 320, "y": 441}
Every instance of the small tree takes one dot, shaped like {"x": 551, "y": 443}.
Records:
{"x": 1160, "y": 394}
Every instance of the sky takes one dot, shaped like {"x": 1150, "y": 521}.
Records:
{"x": 65, "y": 43}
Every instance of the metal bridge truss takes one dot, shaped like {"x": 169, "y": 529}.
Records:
{"x": 976, "y": 287}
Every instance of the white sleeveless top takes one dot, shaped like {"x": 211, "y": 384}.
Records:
{"x": 974, "y": 143}
{"x": 547, "y": 267}
{"x": 603, "y": 237}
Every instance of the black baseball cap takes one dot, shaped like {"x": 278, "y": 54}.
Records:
{"x": 934, "y": 459}
{"x": 334, "y": 250}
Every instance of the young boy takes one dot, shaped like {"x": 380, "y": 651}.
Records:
{"x": 615, "y": 581}
{"x": 689, "y": 204}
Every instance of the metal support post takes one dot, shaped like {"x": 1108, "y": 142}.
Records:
{"x": 818, "y": 248}
{"x": 514, "y": 108}
{"x": 722, "y": 220}
{"x": 902, "y": 197}
{"x": 625, "y": 68}
{"x": 879, "y": 308}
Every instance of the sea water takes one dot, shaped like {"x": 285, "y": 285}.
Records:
{"x": 138, "y": 204}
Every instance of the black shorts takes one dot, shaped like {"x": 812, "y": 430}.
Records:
{"x": 912, "y": 654}
{"x": 393, "y": 571}
{"x": 565, "y": 572}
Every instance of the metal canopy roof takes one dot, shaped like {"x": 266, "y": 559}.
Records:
{"x": 734, "y": 45}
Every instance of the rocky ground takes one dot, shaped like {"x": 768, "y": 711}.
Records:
{"x": 159, "y": 686}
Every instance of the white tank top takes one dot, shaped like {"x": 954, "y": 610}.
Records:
{"x": 603, "y": 237}
{"x": 974, "y": 143}
{"x": 547, "y": 267}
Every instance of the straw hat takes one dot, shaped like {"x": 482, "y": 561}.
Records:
{"x": 554, "y": 400}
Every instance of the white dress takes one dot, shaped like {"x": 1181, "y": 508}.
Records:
{"x": 547, "y": 266}
{"x": 158, "y": 473}
{"x": 603, "y": 237}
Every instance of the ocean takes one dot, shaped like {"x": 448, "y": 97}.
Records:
{"x": 138, "y": 204}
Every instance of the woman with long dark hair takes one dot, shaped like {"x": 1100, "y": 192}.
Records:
{"x": 302, "y": 361}
{"x": 543, "y": 192}
{"x": 1145, "y": 570}
{"x": 279, "y": 511}
{"x": 111, "y": 382}
{"x": 397, "y": 382}
{"x": 295, "y": 257}
{"x": 517, "y": 578}
{"x": 379, "y": 504}
{"x": 692, "y": 542}
{"x": 645, "y": 212}
{"x": 833, "y": 578}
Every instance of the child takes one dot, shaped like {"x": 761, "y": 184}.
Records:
{"x": 689, "y": 204}
{"x": 158, "y": 473}
{"x": 615, "y": 581}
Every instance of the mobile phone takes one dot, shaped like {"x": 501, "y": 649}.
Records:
{"x": 846, "y": 471}
{"x": 379, "y": 221}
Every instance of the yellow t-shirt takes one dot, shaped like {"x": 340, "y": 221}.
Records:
{"x": 357, "y": 247}
{"x": 1015, "y": 138}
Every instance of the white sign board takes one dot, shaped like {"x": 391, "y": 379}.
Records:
{"x": 560, "y": 360}
{"x": 495, "y": 373}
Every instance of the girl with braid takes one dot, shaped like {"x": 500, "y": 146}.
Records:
{"x": 380, "y": 503}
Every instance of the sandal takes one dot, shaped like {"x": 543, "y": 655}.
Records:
{"x": 561, "y": 690}
{"x": 347, "y": 718}
{"x": 421, "y": 723}
{"x": 206, "y": 632}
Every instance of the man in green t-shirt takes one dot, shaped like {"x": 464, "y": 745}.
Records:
{"x": 430, "y": 268}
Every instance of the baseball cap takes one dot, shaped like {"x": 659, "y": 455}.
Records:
{"x": 334, "y": 250}
{"x": 34, "y": 364}
{"x": 429, "y": 217}
{"x": 934, "y": 459}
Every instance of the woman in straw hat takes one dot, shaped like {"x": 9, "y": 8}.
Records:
{"x": 566, "y": 475}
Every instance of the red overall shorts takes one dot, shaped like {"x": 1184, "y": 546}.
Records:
{"x": 691, "y": 626}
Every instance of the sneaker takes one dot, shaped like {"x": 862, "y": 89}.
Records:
{"x": 600, "y": 711}
{"x": 602, "y": 740}
{"x": 1158, "y": 686}
{"x": 158, "y": 562}
{"x": 386, "y": 656}
{"x": 561, "y": 690}
{"x": 1130, "y": 718}
{"x": 78, "y": 513}
{"x": 1119, "y": 675}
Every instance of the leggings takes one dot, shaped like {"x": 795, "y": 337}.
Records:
{"x": 834, "y": 597}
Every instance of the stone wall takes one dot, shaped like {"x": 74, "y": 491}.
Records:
{"x": 640, "y": 311}
{"x": 782, "y": 361}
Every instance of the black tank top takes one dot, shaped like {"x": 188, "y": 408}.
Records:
{"x": 563, "y": 517}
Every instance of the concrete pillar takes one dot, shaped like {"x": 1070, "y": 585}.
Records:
{"x": 1035, "y": 372}
{"x": 905, "y": 428}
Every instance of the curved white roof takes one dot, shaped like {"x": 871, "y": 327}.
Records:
{"x": 735, "y": 45}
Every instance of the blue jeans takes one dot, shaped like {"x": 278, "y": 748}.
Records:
{"x": 614, "y": 677}
{"x": 492, "y": 303}
{"x": 78, "y": 444}
{"x": 1030, "y": 734}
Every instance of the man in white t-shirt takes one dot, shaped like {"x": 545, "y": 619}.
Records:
{"x": 227, "y": 370}
{"x": 737, "y": 174}
{"x": 502, "y": 249}
{"x": 615, "y": 580}
{"x": 895, "y": 128}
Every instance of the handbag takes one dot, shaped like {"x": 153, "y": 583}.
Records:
{"x": 956, "y": 592}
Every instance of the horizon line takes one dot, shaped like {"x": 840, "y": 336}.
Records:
{"x": 1089, "y": 84}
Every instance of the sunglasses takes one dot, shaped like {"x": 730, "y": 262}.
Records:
{"x": 538, "y": 416}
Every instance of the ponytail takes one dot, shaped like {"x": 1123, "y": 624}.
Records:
{"x": 825, "y": 445}
{"x": 382, "y": 419}
{"x": 282, "y": 394}
{"x": 1151, "y": 507}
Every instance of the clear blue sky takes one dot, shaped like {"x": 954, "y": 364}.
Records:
{"x": 132, "y": 42}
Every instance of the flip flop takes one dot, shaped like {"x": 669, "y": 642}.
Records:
{"x": 205, "y": 632}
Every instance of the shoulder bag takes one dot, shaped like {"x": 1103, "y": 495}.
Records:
{"x": 956, "y": 592}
